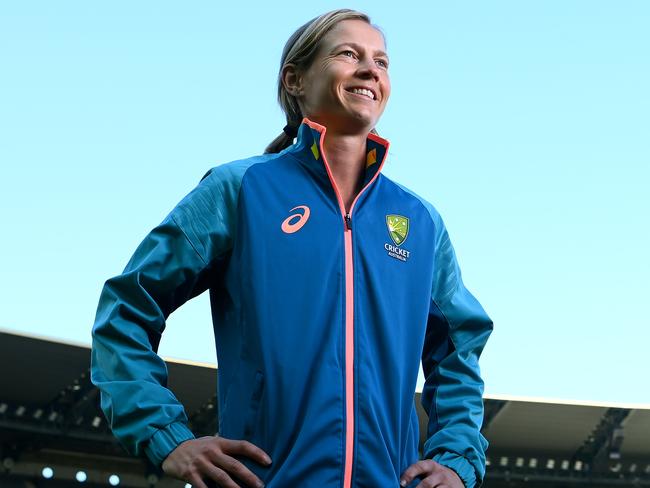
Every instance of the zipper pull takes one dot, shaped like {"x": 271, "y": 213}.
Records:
{"x": 348, "y": 221}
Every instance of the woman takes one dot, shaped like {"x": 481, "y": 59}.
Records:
{"x": 328, "y": 282}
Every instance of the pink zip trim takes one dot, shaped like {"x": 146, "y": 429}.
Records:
{"x": 349, "y": 299}
{"x": 349, "y": 358}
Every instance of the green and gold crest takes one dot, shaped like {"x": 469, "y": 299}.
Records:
{"x": 398, "y": 228}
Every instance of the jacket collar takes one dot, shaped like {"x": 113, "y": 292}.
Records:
{"x": 308, "y": 148}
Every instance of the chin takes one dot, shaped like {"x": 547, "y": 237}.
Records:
{"x": 364, "y": 117}
{"x": 365, "y": 121}
{"x": 352, "y": 121}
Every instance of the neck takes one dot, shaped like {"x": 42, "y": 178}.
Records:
{"x": 346, "y": 155}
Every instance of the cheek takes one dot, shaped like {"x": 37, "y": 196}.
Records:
{"x": 387, "y": 88}
{"x": 321, "y": 87}
{"x": 316, "y": 93}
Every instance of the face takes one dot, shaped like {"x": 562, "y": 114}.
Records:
{"x": 347, "y": 85}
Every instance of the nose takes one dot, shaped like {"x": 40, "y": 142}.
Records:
{"x": 368, "y": 69}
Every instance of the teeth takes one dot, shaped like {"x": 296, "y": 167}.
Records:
{"x": 363, "y": 91}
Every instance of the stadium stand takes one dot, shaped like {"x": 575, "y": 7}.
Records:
{"x": 53, "y": 434}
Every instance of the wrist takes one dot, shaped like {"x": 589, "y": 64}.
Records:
{"x": 165, "y": 440}
{"x": 459, "y": 465}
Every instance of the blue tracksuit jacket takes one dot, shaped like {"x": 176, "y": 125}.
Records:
{"x": 320, "y": 319}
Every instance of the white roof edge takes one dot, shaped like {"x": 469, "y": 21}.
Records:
{"x": 56, "y": 340}
{"x": 491, "y": 396}
{"x": 87, "y": 345}
{"x": 189, "y": 362}
{"x": 566, "y": 401}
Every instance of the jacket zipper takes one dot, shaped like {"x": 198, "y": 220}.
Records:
{"x": 349, "y": 353}
{"x": 349, "y": 320}
{"x": 348, "y": 222}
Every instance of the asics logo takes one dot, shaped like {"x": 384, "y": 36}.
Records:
{"x": 294, "y": 222}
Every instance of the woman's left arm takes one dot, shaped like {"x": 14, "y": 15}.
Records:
{"x": 457, "y": 331}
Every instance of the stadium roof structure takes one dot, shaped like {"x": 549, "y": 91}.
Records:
{"x": 51, "y": 424}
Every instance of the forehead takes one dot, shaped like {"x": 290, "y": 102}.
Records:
{"x": 355, "y": 31}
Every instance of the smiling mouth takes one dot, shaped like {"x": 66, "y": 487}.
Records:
{"x": 362, "y": 92}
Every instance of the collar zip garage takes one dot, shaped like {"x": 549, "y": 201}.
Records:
{"x": 376, "y": 148}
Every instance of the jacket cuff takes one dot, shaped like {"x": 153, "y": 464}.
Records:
{"x": 460, "y": 465}
{"x": 165, "y": 440}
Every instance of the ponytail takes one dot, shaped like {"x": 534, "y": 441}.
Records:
{"x": 278, "y": 144}
{"x": 284, "y": 140}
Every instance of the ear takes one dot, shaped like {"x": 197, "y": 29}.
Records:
{"x": 292, "y": 80}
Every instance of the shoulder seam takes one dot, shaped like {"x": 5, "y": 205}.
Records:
{"x": 180, "y": 227}
{"x": 413, "y": 195}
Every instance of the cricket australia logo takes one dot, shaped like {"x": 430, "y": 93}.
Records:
{"x": 398, "y": 230}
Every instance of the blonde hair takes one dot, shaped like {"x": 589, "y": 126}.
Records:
{"x": 300, "y": 50}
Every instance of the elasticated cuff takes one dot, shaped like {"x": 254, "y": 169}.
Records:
{"x": 165, "y": 440}
{"x": 460, "y": 465}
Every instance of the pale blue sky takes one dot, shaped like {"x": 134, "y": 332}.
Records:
{"x": 525, "y": 123}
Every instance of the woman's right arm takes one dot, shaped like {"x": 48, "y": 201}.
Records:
{"x": 172, "y": 265}
{"x": 164, "y": 272}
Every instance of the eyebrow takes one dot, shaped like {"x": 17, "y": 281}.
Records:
{"x": 358, "y": 48}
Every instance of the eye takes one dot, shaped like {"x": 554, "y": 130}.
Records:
{"x": 348, "y": 53}
{"x": 382, "y": 63}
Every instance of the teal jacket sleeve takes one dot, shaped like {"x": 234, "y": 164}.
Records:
{"x": 173, "y": 264}
{"x": 457, "y": 331}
